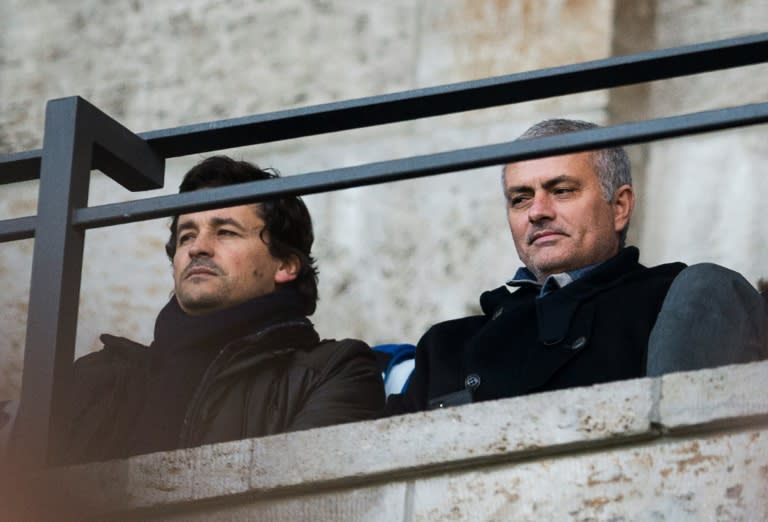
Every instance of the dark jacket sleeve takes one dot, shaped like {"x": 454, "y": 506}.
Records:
{"x": 348, "y": 387}
{"x": 439, "y": 365}
{"x": 106, "y": 386}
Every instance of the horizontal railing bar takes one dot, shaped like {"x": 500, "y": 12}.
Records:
{"x": 17, "y": 228}
{"x": 20, "y": 166}
{"x": 434, "y": 101}
{"x": 421, "y": 166}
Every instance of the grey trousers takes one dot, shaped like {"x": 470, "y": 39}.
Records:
{"x": 711, "y": 317}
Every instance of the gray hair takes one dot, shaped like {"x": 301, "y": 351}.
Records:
{"x": 611, "y": 165}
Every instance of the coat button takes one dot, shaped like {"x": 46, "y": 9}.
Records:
{"x": 578, "y": 343}
{"x": 472, "y": 381}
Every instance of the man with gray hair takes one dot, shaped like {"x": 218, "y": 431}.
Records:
{"x": 582, "y": 310}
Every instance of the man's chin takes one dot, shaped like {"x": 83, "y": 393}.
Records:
{"x": 547, "y": 266}
{"x": 199, "y": 305}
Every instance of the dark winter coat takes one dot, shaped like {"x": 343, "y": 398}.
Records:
{"x": 593, "y": 330}
{"x": 279, "y": 377}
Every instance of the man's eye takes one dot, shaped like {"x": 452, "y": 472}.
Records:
{"x": 184, "y": 238}
{"x": 517, "y": 201}
{"x": 225, "y": 232}
{"x": 564, "y": 190}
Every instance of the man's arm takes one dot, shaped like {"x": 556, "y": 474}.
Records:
{"x": 710, "y": 317}
{"x": 439, "y": 365}
{"x": 106, "y": 396}
{"x": 348, "y": 388}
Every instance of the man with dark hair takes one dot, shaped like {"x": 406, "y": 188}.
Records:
{"x": 234, "y": 354}
{"x": 582, "y": 310}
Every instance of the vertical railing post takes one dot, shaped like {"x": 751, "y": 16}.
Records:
{"x": 77, "y": 138}
{"x": 55, "y": 288}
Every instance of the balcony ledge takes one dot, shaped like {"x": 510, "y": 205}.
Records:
{"x": 687, "y": 446}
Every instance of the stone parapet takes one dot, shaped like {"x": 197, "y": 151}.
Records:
{"x": 687, "y": 446}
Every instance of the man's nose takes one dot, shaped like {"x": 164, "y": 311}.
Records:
{"x": 541, "y": 208}
{"x": 202, "y": 245}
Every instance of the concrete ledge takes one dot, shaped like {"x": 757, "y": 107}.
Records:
{"x": 540, "y": 433}
{"x": 350, "y": 454}
{"x": 722, "y": 395}
{"x": 714, "y": 477}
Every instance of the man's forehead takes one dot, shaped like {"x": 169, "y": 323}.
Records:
{"x": 244, "y": 215}
{"x": 541, "y": 170}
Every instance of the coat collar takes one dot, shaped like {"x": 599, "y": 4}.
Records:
{"x": 625, "y": 262}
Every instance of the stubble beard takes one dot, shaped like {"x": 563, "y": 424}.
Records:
{"x": 197, "y": 301}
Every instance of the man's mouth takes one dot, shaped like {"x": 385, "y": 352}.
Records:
{"x": 543, "y": 235}
{"x": 198, "y": 271}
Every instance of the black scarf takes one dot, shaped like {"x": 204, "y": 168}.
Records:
{"x": 184, "y": 347}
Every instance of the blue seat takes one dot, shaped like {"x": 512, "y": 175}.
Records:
{"x": 396, "y": 362}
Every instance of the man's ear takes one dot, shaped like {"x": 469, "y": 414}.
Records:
{"x": 287, "y": 269}
{"x": 623, "y": 204}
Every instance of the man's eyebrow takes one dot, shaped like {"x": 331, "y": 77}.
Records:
{"x": 518, "y": 188}
{"x": 547, "y": 185}
{"x": 559, "y": 179}
{"x": 191, "y": 224}
{"x": 220, "y": 222}
{"x": 187, "y": 224}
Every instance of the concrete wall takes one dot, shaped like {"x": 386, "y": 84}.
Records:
{"x": 393, "y": 259}
{"x": 683, "y": 447}
{"x": 702, "y": 196}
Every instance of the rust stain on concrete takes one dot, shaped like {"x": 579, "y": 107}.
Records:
{"x": 696, "y": 458}
{"x": 620, "y": 477}
{"x": 598, "y": 503}
{"x": 510, "y": 496}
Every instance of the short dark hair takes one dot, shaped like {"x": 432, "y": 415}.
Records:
{"x": 287, "y": 222}
{"x": 611, "y": 165}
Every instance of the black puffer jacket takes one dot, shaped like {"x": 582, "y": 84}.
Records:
{"x": 278, "y": 378}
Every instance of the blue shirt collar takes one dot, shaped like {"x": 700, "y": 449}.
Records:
{"x": 524, "y": 277}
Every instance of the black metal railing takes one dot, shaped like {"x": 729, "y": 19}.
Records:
{"x": 78, "y": 138}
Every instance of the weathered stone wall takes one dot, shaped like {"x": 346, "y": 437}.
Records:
{"x": 683, "y": 447}
{"x": 393, "y": 259}
{"x": 703, "y": 196}
{"x": 396, "y": 258}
